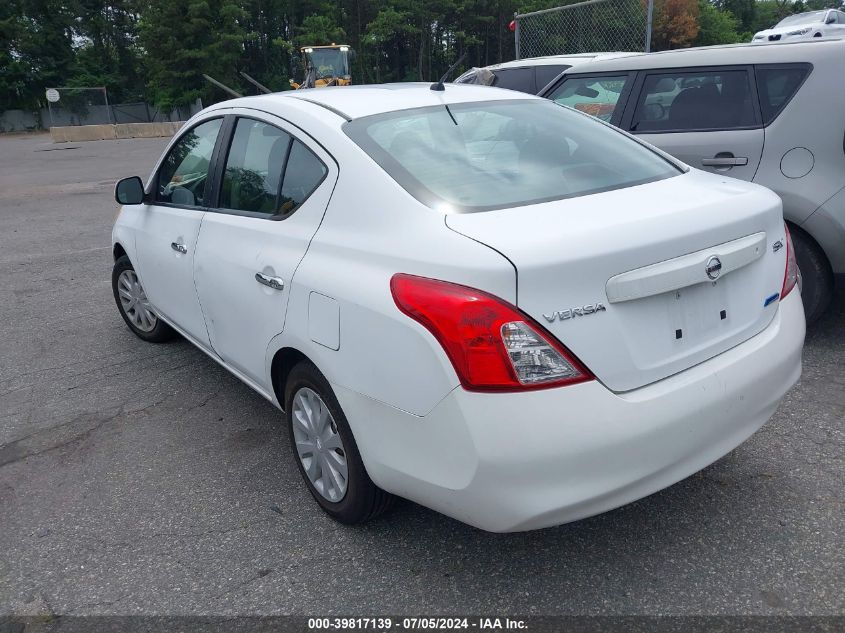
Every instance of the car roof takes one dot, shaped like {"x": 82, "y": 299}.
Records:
{"x": 761, "y": 53}
{"x": 553, "y": 60}
{"x": 352, "y": 102}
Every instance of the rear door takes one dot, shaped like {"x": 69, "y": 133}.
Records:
{"x": 169, "y": 226}
{"x": 273, "y": 184}
{"x": 708, "y": 117}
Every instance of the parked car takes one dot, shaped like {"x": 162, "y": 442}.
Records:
{"x": 531, "y": 74}
{"x": 499, "y": 308}
{"x": 768, "y": 114}
{"x": 810, "y": 24}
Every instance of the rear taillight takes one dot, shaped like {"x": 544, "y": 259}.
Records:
{"x": 790, "y": 274}
{"x": 492, "y": 345}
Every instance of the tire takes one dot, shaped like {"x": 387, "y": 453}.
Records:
{"x": 816, "y": 275}
{"x": 132, "y": 303}
{"x": 360, "y": 500}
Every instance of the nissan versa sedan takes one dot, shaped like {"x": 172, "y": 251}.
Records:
{"x": 482, "y": 301}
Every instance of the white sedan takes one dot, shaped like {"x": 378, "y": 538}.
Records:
{"x": 484, "y": 302}
{"x": 800, "y": 26}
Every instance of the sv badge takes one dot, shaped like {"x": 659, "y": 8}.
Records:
{"x": 571, "y": 313}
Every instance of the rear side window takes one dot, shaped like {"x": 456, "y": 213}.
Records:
{"x": 776, "y": 85}
{"x": 481, "y": 156}
{"x": 596, "y": 96}
{"x": 521, "y": 79}
{"x": 183, "y": 174}
{"x": 694, "y": 101}
{"x": 544, "y": 74}
{"x": 254, "y": 168}
{"x": 303, "y": 173}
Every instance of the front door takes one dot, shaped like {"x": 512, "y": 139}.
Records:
{"x": 169, "y": 226}
{"x": 707, "y": 118}
{"x": 274, "y": 190}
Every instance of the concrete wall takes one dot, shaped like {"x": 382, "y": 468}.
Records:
{"x": 77, "y": 133}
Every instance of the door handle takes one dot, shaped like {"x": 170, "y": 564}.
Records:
{"x": 179, "y": 248}
{"x": 276, "y": 283}
{"x": 724, "y": 161}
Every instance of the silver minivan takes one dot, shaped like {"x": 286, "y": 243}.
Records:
{"x": 771, "y": 114}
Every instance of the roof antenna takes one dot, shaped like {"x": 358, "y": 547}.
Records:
{"x": 438, "y": 86}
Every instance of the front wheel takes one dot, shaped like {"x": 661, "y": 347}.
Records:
{"x": 326, "y": 452}
{"x": 134, "y": 306}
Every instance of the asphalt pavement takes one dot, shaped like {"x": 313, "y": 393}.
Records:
{"x": 144, "y": 479}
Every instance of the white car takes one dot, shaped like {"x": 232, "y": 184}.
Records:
{"x": 829, "y": 22}
{"x": 531, "y": 74}
{"x": 484, "y": 302}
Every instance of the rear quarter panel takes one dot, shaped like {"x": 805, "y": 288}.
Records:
{"x": 373, "y": 229}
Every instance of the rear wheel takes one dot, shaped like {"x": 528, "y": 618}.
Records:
{"x": 326, "y": 452}
{"x": 816, "y": 274}
{"x": 134, "y": 306}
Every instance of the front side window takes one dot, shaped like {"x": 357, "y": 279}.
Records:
{"x": 596, "y": 96}
{"x": 682, "y": 102}
{"x": 253, "y": 176}
{"x": 776, "y": 86}
{"x": 183, "y": 174}
{"x": 491, "y": 155}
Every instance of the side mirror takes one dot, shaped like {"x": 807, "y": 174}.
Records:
{"x": 830, "y": 20}
{"x": 129, "y": 191}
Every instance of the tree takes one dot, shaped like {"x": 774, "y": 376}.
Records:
{"x": 675, "y": 24}
{"x": 36, "y": 50}
{"x": 183, "y": 41}
{"x": 744, "y": 11}
{"x": 715, "y": 26}
{"x": 106, "y": 55}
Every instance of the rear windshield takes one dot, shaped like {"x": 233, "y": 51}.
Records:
{"x": 491, "y": 155}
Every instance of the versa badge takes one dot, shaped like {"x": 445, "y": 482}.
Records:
{"x": 571, "y": 313}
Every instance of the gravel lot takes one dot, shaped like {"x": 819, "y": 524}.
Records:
{"x": 142, "y": 479}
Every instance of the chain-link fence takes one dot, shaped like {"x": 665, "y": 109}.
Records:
{"x": 592, "y": 26}
{"x": 91, "y": 106}
{"x": 78, "y": 106}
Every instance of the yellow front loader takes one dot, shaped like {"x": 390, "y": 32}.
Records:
{"x": 326, "y": 66}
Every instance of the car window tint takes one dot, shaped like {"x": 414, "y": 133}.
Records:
{"x": 593, "y": 95}
{"x": 545, "y": 74}
{"x": 521, "y": 79}
{"x": 254, "y": 168}
{"x": 303, "y": 172}
{"x": 184, "y": 172}
{"x": 481, "y": 156}
{"x": 776, "y": 86}
{"x": 712, "y": 100}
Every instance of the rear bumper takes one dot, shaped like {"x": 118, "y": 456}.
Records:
{"x": 509, "y": 462}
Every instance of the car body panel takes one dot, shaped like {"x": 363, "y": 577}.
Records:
{"x": 589, "y": 240}
{"x": 233, "y": 249}
{"x": 511, "y": 462}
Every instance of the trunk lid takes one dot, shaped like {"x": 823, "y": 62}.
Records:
{"x": 621, "y": 278}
